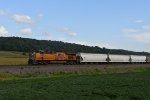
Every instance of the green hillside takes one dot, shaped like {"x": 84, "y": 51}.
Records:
{"x": 31, "y": 45}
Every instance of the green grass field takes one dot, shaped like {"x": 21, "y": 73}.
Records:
{"x": 131, "y": 83}
{"x": 13, "y": 58}
{"x": 12, "y": 54}
{"x": 125, "y": 86}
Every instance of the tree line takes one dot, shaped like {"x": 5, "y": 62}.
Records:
{"x": 33, "y": 45}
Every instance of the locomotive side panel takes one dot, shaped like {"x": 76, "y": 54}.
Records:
{"x": 71, "y": 56}
{"x": 39, "y": 56}
{"x": 59, "y": 56}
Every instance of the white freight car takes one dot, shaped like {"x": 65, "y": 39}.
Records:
{"x": 136, "y": 58}
{"x": 119, "y": 58}
{"x": 90, "y": 57}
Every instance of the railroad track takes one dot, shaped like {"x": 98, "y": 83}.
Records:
{"x": 23, "y": 69}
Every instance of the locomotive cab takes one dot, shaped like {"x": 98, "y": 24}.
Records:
{"x": 31, "y": 59}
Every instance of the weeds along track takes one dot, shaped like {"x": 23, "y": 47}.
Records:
{"x": 24, "y": 69}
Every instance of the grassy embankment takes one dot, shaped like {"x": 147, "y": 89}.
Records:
{"x": 85, "y": 85}
{"x": 12, "y": 58}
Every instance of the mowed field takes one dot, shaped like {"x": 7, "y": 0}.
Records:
{"x": 13, "y": 58}
{"x": 115, "y": 86}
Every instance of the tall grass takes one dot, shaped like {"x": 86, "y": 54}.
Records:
{"x": 12, "y": 58}
{"x": 13, "y": 61}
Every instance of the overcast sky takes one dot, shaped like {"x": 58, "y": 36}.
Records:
{"x": 119, "y": 24}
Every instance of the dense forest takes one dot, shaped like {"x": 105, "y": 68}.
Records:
{"x": 33, "y": 45}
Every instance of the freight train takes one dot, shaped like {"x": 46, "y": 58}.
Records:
{"x": 84, "y": 58}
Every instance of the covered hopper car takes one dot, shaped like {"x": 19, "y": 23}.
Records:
{"x": 91, "y": 58}
{"x": 136, "y": 58}
{"x": 119, "y": 58}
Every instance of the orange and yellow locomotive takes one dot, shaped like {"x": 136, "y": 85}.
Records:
{"x": 52, "y": 57}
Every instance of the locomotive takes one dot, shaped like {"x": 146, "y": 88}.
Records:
{"x": 52, "y": 57}
{"x": 83, "y": 58}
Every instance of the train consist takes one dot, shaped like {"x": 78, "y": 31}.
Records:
{"x": 84, "y": 58}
